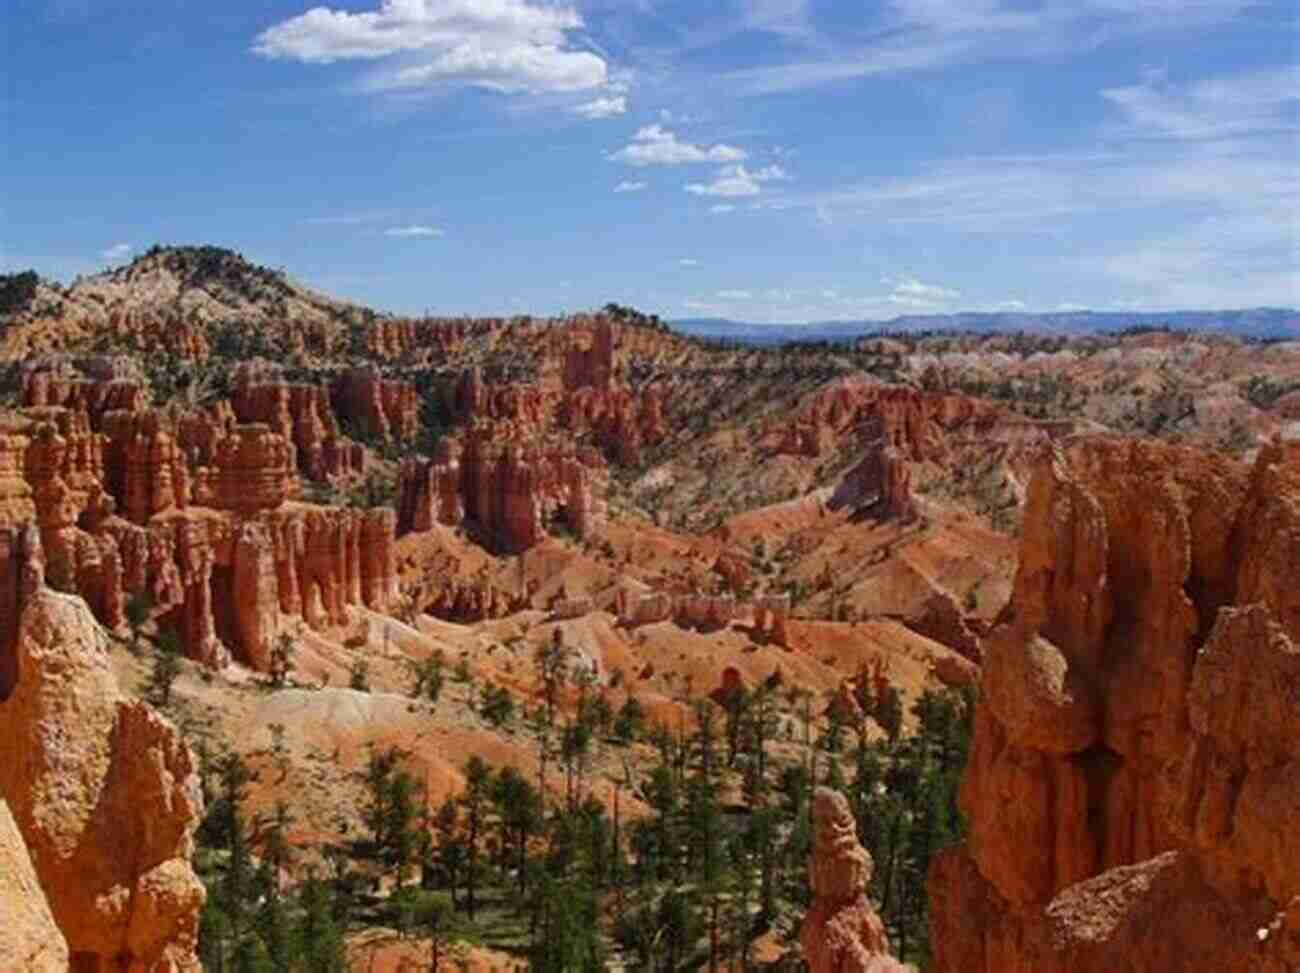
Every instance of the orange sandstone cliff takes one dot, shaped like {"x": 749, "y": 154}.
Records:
{"x": 103, "y": 792}
{"x": 29, "y": 940}
{"x": 1135, "y": 773}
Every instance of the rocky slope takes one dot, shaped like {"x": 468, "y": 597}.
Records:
{"x": 1131, "y": 789}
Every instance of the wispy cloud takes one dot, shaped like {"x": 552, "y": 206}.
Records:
{"x": 921, "y": 35}
{"x": 654, "y": 145}
{"x": 117, "y": 253}
{"x": 722, "y": 208}
{"x": 905, "y": 295}
{"x": 630, "y": 186}
{"x": 1254, "y": 103}
{"x": 738, "y": 181}
{"x": 413, "y": 232}
{"x": 609, "y": 106}
{"x": 688, "y": 262}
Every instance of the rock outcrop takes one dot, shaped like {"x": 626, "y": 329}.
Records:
{"x": 1132, "y": 788}
{"x": 880, "y": 485}
{"x": 301, "y": 412}
{"x": 103, "y": 791}
{"x": 30, "y": 941}
{"x": 591, "y": 363}
{"x": 510, "y": 489}
{"x": 380, "y": 408}
{"x": 841, "y": 932}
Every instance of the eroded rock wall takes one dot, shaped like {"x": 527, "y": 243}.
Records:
{"x": 1135, "y": 753}
{"x": 508, "y": 486}
{"x": 221, "y": 549}
{"x": 103, "y": 792}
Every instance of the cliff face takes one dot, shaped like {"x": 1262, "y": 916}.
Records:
{"x": 1134, "y": 764}
{"x": 103, "y": 792}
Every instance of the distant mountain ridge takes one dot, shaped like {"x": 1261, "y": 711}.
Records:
{"x": 1259, "y": 323}
{"x": 206, "y": 283}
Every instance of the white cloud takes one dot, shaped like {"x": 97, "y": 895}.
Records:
{"x": 688, "y": 262}
{"x": 734, "y": 295}
{"x": 117, "y": 253}
{"x": 413, "y": 232}
{"x": 604, "y": 107}
{"x": 738, "y": 181}
{"x": 911, "y": 292}
{"x": 654, "y": 145}
{"x": 630, "y": 186}
{"x": 506, "y": 45}
{"x": 722, "y": 208}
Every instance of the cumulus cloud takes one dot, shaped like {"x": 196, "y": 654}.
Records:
{"x": 116, "y": 253}
{"x": 609, "y": 106}
{"x": 654, "y": 145}
{"x": 737, "y": 181}
{"x": 630, "y": 186}
{"x": 412, "y": 232}
{"x": 506, "y": 45}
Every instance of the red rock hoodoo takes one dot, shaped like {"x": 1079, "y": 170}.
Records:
{"x": 841, "y": 932}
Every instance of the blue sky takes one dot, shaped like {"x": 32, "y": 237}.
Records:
{"x": 776, "y": 160}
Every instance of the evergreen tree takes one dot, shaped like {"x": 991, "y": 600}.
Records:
{"x": 318, "y": 940}
{"x": 428, "y": 678}
{"x": 474, "y": 801}
{"x": 519, "y": 809}
{"x": 567, "y": 938}
{"x": 166, "y": 668}
{"x": 138, "y": 609}
{"x": 282, "y": 656}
